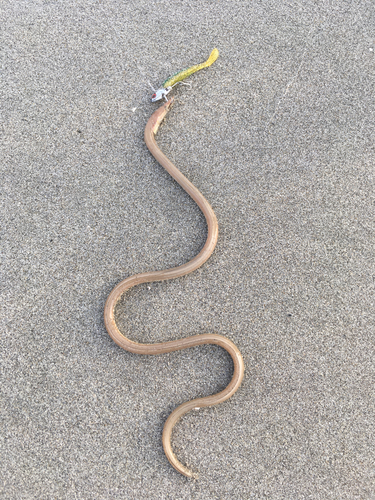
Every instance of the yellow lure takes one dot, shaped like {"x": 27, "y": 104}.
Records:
{"x": 178, "y": 77}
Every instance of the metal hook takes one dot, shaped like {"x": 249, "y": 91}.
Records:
{"x": 182, "y": 83}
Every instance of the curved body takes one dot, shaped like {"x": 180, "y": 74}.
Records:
{"x": 159, "y": 348}
{"x": 181, "y": 75}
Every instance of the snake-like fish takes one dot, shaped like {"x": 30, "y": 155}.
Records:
{"x": 174, "y": 345}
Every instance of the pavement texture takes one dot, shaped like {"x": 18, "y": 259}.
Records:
{"x": 279, "y": 136}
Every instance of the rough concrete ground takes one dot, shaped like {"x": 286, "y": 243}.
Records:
{"x": 279, "y": 136}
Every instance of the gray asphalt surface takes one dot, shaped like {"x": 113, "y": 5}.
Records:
{"x": 279, "y": 136}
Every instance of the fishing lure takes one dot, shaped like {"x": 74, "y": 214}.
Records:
{"x": 181, "y": 75}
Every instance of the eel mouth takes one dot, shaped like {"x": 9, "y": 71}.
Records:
{"x": 160, "y": 114}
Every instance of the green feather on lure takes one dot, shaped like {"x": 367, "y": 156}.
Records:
{"x": 181, "y": 75}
